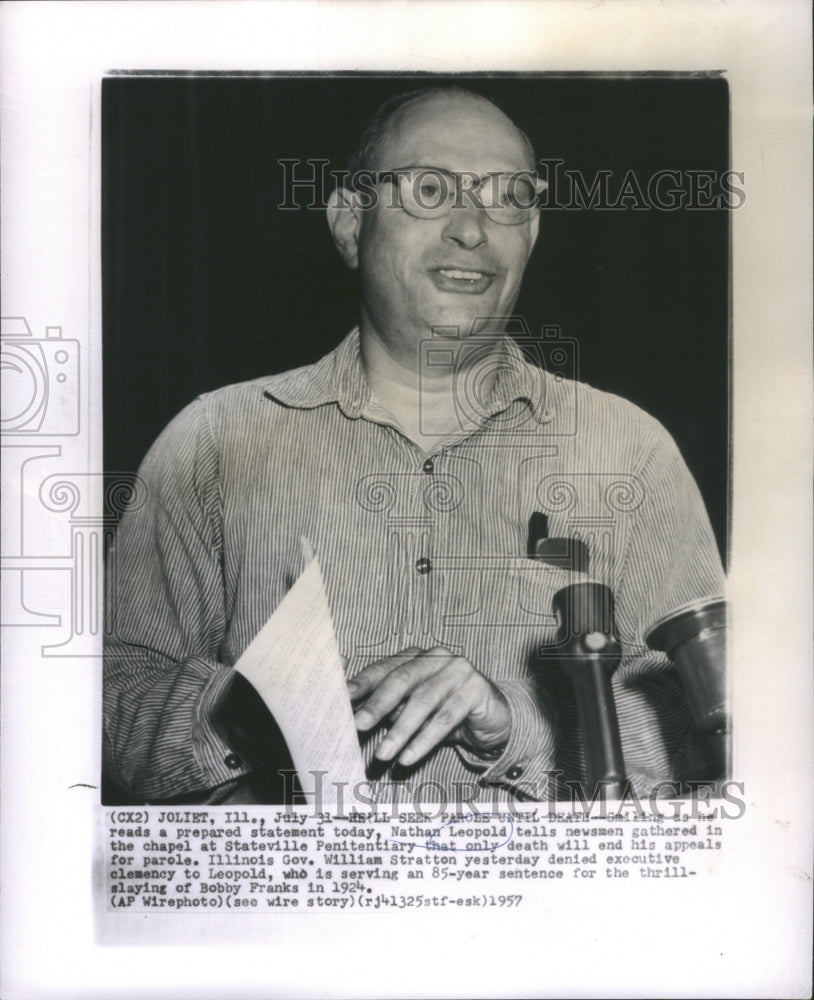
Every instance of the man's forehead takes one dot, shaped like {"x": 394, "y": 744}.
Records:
{"x": 455, "y": 132}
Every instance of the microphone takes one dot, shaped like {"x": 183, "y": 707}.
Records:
{"x": 694, "y": 638}
{"x": 588, "y": 651}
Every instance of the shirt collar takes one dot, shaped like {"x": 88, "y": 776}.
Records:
{"x": 339, "y": 378}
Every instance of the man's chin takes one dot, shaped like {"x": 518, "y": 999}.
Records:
{"x": 481, "y": 318}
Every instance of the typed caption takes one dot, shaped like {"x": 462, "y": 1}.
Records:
{"x": 268, "y": 858}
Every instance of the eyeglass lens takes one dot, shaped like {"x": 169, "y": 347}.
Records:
{"x": 429, "y": 192}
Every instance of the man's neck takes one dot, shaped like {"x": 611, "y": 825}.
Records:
{"x": 423, "y": 402}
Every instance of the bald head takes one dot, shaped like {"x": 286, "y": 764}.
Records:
{"x": 403, "y": 116}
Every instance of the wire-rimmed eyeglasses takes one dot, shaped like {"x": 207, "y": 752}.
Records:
{"x": 508, "y": 198}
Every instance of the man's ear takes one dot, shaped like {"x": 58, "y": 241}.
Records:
{"x": 344, "y": 221}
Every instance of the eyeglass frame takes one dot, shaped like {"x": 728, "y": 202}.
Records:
{"x": 398, "y": 175}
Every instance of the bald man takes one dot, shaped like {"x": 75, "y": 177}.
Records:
{"x": 412, "y": 457}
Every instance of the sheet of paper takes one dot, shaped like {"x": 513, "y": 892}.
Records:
{"x": 295, "y": 666}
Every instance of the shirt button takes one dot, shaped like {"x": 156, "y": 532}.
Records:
{"x": 232, "y": 760}
{"x": 423, "y": 566}
{"x": 428, "y": 467}
{"x": 514, "y": 773}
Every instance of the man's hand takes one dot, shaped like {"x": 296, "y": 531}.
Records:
{"x": 429, "y": 696}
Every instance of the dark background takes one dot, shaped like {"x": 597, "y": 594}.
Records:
{"x": 206, "y": 282}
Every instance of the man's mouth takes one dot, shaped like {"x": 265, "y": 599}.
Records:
{"x": 458, "y": 279}
{"x": 465, "y": 275}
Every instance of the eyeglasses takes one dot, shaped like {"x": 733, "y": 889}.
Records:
{"x": 432, "y": 193}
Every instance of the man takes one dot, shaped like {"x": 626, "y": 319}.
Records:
{"x": 412, "y": 457}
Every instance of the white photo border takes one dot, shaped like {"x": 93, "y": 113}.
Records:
{"x": 750, "y": 936}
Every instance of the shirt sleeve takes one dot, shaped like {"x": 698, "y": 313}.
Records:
{"x": 670, "y": 561}
{"x": 163, "y": 680}
{"x": 527, "y": 762}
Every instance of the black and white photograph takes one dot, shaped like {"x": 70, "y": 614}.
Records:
{"x": 406, "y": 431}
{"x": 461, "y": 423}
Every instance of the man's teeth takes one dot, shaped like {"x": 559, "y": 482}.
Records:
{"x": 461, "y": 275}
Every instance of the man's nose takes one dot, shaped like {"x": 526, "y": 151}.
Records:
{"x": 466, "y": 226}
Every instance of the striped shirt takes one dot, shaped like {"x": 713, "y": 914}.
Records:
{"x": 417, "y": 549}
